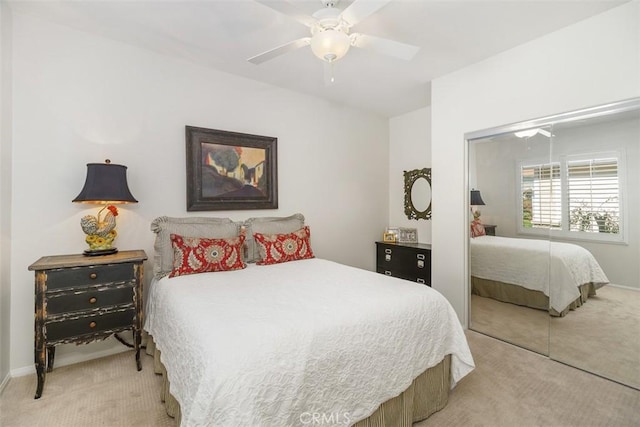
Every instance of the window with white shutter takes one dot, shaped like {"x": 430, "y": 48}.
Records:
{"x": 541, "y": 197}
{"x": 593, "y": 195}
{"x": 579, "y": 197}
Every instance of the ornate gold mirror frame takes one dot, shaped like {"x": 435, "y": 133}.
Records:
{"x": 410, "y": 179}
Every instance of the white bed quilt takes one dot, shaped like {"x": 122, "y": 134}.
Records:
{"x": 267, "y": 345}
{"x": 533, "y": 264}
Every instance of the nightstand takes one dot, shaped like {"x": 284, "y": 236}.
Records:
{"x": 490, "y": 230}
{"x": 410, "y": 261}
{"x": 79, "y": 299}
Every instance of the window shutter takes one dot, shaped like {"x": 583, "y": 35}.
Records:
{"x": 541, "y": 196}
{"x": 594, "y": 195}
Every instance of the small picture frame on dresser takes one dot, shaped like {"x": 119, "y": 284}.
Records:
{"x": 391, "y": 235}
{"x": 407, "y": 235}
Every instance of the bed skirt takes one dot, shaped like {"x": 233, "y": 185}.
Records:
{"x": 518, "y": 295}
{"x": 428, "y": 394}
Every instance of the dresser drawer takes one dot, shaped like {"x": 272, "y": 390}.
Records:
{"x": 418, "y": 268}
{"x": 401, "y": 258}
{"x": 90, "y": 299}
{"x": 423, "y": 277}
{"x": 89, "y": 276}
{"x": 91, "y": 324}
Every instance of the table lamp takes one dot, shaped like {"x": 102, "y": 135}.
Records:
{"x": 476, "y": 200}
{"x": 105, "y": 184}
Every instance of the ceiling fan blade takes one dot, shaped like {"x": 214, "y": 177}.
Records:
{"x": 384, "y": 46}
{"x": 280, "y": 50}
{"x": 289, "y": 9}
{"x": 360, "y": 9}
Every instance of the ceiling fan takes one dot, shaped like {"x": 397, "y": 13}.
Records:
{"x": 331, "y": 35}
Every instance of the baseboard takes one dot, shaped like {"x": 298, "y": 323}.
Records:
{"x": 622, "y": 287}
{"x": 69, "y": 360}
{"x": 4, "y": 382}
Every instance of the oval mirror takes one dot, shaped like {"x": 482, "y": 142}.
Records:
{"x": 421, "y": 194}
{"x": 417, "y": 193}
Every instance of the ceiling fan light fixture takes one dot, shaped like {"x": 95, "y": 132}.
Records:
{"x": 528, "y": 133}
{"x": 330, "y": 44}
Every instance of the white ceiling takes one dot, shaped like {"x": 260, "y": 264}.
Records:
{"x": 222, "y": 34}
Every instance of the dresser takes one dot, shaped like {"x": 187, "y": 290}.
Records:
{"x": 410, "y": 261}
{"x": 79, "y": 299}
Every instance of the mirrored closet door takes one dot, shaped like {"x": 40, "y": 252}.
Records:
{"x": 558, "y": 271}
{"x": 598, "y": 160}
{"x": 497, "y": 309}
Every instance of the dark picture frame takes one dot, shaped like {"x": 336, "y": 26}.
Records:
{"x": 410, "y": 179}
{"x": 230, "y": 170}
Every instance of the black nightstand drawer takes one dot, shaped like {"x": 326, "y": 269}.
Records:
{"x": 86, "y": 325}
{"x": 91, "y": 299}
{"x": 490, "y": 230}
{"x": 89, "y": 276}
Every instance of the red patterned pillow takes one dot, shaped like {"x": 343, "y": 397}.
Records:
{"x": 477, "y": 229}
{"x": 277, "y": 248}
{"x": 193, "y": 255}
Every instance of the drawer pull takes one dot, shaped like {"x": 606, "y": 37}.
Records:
{"x": 92, "y": 300}
{"x": 387, "y": 257}
{"x": 387, "y": 272}
{"x": 92, "y": 325}
{"x": 420, "y": 256}
{"x": 387, "y": 251}
{"x": 419, "y": 280}
{"x": 93, "y": 275}
{"x": 420, "y": 263}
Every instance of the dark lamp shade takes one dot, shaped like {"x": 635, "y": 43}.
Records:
{"x": 476, "y": 199}
{"x": 106, "y": 183}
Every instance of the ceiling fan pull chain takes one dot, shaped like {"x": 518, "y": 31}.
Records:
{"x": 332, "y": 79}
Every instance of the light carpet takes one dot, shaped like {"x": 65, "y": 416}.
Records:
{"x": 601, "y": 336}
{"x": 509, "y": 387}
{"x": 604, "y": 338}
{"x": 523, "y": 326}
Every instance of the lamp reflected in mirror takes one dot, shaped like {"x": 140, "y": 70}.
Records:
{"x": 476, "y": 200}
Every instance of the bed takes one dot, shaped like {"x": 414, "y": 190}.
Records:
{"x": 292, "y": 343}
{"x": 553, "y": 276}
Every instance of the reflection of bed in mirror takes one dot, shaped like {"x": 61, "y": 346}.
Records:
{"x": 519, "y": 271}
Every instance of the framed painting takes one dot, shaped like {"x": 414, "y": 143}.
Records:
{"x": 230, "y": 170}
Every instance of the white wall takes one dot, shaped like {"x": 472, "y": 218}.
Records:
{"x": 409, "y": 148}
{"x": 592, "y": 62}
{"x": 5, "y": 188}
{"x": 79, "y": 98}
